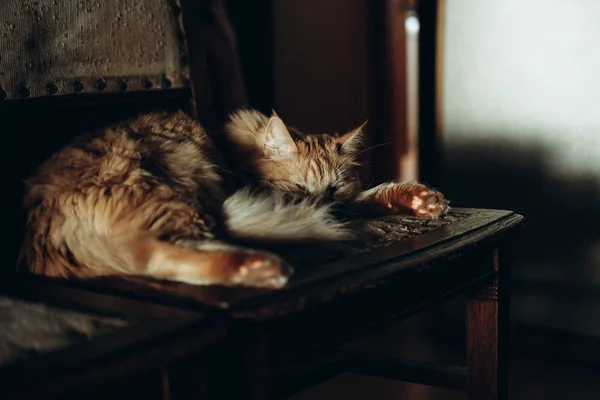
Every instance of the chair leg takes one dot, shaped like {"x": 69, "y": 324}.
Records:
{"x": 240, "y": 368}
{"x": 488, "y": 328}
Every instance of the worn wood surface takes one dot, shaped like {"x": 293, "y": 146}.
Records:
{"x": 131, "y": 356}
{"x": 28, "y": 329}
{"x": 318, "y": 284}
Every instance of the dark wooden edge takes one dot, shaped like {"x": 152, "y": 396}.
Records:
{"x": 402, "y": 312}
{"x": 383, "y": 302}
{"x": 447, "y": 246}
{"x": 129, "y": 351}
{"x": 47, "y": 291}
{"x": 311, "y": 371}
{"x": 145, "y": 291}
{"x": 105, "y": 357}
{"x": 99, "y": 347}
{"x": 459, "y": 230}
{"x": 303, "y": 375}
{"x": 425, "y": 373}
{"x": 91, "y": 99}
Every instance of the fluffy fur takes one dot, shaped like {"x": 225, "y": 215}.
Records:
{"x": 278, "y": 220}
{"x": 150, "y": 196}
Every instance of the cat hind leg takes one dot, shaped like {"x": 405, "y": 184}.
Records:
{"x": 216, "y": 263}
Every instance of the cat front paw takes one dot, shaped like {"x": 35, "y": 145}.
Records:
{"x": 413, "y": 198}
{"x": 428, "y": 203}
{"x": 401, "y": 199}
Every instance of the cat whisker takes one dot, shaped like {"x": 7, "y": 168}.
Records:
{"x": 373, "y": 147}
{"x": 224, "y": 170}
{"x": 371, "y": 183}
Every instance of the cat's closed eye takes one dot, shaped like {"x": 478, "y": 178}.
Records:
{"x": 331, "y": 190}
{"x": 299, "y": 186}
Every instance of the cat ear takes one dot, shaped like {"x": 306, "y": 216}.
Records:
{"x": 351, "y": 141}
{"x": 278, "y": 141}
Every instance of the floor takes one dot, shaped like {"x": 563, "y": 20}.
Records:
{"x": 531, "y": 378}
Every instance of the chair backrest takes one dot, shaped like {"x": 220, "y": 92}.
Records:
{"x": 54, "y": 48}
{"x": 68, "y": 66}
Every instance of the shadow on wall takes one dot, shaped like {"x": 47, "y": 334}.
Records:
{"x": 560, "y": 212}
{"x": 557, "y": 279}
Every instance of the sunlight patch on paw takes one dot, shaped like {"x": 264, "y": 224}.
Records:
{"x": 416, "y": 202}
{"x": 282, "y": 281}
{"x": 276, "y": 282}
{"x": 256, "y": 264}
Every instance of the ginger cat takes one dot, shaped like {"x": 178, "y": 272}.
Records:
{"x": 149, "y": 197}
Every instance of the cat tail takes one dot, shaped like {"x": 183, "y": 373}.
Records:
{"x": 269, "y": 218}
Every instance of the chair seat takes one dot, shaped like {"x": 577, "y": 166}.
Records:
{"x": 281, "y": 341}
{"x": 391, "y": 248}
{"x": 60, "y": 342}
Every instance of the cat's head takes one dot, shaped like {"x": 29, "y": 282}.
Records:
{"x": 322, "y": 165}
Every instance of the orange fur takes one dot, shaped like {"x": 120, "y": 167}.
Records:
{"x": 147, "y": 197}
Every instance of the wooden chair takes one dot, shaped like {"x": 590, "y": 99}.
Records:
{"x": 284, "y": 341}
{"x": 61, "y": 342}
{"x": 278, "y": 342}
{"x": 71, "y": 66}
